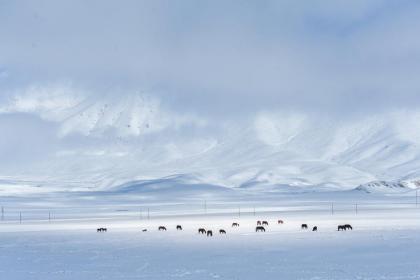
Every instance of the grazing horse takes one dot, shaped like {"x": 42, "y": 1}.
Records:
{"x": 178, "y": 227}
{"x": 201, "y": 231}
{"x": 265, "y": 223}
{"x": 162, "y": 228}
{"x": 280, "y": 222}
{"x": 315, "y": 228}
{"x": 304, "y": 226}
{"x": 260, "y": 228}
{"x": 235, "y": 225}
{"x": 341, "y": 228}
{"x": 144, "y": 230}
{"x": 347, "y": 226}
{"x": 258, "y": 223}
{"x": 209, "y": 233}
{"x": 222, "y": 231}
{"x": 101, "y": 230}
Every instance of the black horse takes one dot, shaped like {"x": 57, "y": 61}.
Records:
{"x": 258, "y": 223}
{"x": 347, "y": 226}
{"x": 162, "y": 228}
{"x": 222, "y": 231}
{"x": 201, "y": 231}
{"x": 235, "y": 225}
{"x": 260, "y": 228}
{"x": 101, "y": 230}
{"x": 209, "y": 233}
{"x": 265, "y": 223}
{"x": 315, "y": 228}
{"x": 144, "y": 230}
{"x": 304, "y": 226}
{"x": 341, "y": 228}
{"x": 178, "y": 227}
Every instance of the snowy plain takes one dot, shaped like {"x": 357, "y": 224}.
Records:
{"x": 52, "y": 242}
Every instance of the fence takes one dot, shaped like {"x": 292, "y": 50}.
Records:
{"x": 21, "y": 214}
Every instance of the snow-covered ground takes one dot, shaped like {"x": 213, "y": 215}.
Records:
{"x": 384, "y": 244}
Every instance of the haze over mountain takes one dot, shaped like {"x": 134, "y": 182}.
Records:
{"x": 98, "y": 143}
{"x": 241, "y": 94}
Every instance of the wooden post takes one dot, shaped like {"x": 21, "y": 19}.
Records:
{"x": 49, "y": 217}
{"x": 20, "y": 217}
{"x": 205, "y": 206}
{"x": 332, "y": 208}
{"x": 2, "y": 213}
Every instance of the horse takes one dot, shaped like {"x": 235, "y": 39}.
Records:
{"x": 209, "y": 233}
{"x": 280, "y": 222}
{"x": 201, "y": 231}
{"x": 315, "y": 228}
{"x": 101, "y": 230}
{"x": 178, "y": 227}
{"x": 259, "y": 228}
{"x": 265, "y": 223}
{"x": 258, "y": 223}
{"x": 222, "y": 231}
{"x": 347, "y": 226}
{"x": 144, "y": 230}
{"x": 162, "y": 228}
{"x": 235, "y": 225}
{"x": 341, "y": 228}
{"x": 304, "y": 226}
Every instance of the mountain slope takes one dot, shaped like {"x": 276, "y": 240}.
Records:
{"x": 107, "y": 141}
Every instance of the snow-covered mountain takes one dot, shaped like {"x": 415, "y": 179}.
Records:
{"x": 100, "y": 142}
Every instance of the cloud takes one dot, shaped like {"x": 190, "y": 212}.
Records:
{"x": 221, "y": 58}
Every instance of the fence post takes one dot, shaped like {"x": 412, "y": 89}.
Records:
{"x": 20, "y": 217}
{"x": 205, "y": 206}
{"x": 49, "y": 217}
{"x": 2, "y": 213}
{"x": 332, "y": 208}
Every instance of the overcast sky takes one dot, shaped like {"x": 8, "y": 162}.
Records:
{"x": 214, "y": 56}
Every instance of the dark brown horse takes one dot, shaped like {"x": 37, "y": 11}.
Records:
{"x": 162, "y": 228}
{"x": 209, "y": 233}
{"x": 201, "y": 231}
{"x": 235, "y": 225}
{"x": 341, "y": 228}
{"x": 265, "y": 223}
{"x": 178, "y": 227}
{"x": 222, "y": 231}
{"x": 258, "y": 223}
{"x": 259, "y": 228}
{"x": 304, "y": 226}
{"x": 280, "y": 222}
{"x": 315, "y": 228}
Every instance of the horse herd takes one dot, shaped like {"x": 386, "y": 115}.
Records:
{"x": 259, "y": 228}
